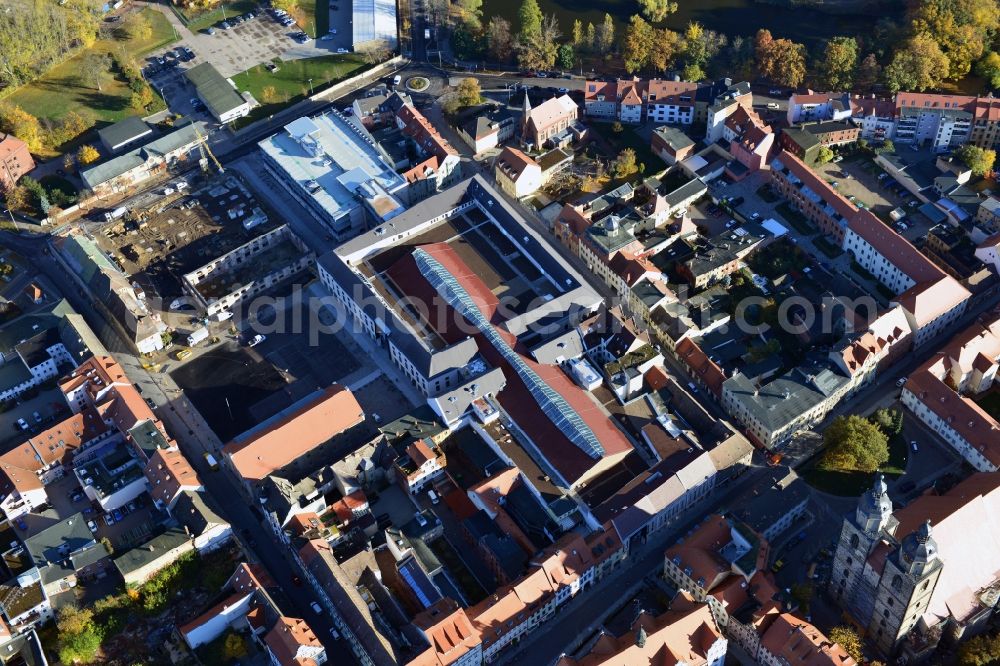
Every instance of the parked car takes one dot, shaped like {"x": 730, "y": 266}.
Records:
{"x": 342, "y": 50}
{"x": 210, "y": 30}
{"x": 773, "y": 106}
{"x": 256, "y": 340}
{"x": 913, "y": 444}
{"x": 316, "y": 607}
{"x": 901, "y": 381}
{"x": 22, "y": 424}
{"x": 92, "y": 526}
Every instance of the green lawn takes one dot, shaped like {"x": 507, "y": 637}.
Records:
{"x": 61, "y": 90}
{"x": 291, "y": 81}
{"x": 991, "y": 404}
{"x": 200, "y": 20}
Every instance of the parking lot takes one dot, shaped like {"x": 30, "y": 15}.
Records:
{"x": 48, "y": 404}
{"x": 235, "y": 50}
{"x": 857, "y": 178}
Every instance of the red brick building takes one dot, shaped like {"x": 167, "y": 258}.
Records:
{"x": 15, "y": 160}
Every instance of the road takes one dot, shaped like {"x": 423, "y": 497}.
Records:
{"x": 583, "y": 614}
{"x": 194, "y": 438}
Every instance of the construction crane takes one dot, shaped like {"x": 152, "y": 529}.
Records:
{"x": 203, "y": 148}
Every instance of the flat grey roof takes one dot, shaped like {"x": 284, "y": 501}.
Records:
{"x": 333, "y": 154}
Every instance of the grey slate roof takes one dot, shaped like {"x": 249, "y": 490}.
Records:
{"x": 124, "y": 132}
{"x": 674, "y": 137}
{"x": 193, "y": 511}
{"x": 155, "y": 149}
{"x": 780, "y": 402}
{"x": 692, "y": 188}
{"x": 152, "y": 550}
{"x": 218, "y": 94}
{"x": 57, "y": 542}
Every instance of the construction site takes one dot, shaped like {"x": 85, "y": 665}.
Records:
{"x": 180, "y": 231}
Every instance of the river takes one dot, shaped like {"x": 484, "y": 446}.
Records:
{"x": 731, "y": 17}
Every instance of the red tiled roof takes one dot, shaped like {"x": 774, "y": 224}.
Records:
{"x": 281, "y": 443}
{"x": 286, "y": 638}
{"x": 795, "y": 641}
{"x": 512, "y": 162}
{"x": 516, "y": 399}
{"x": 701, "y": 365}
{"x": 167, "y": 472}
{"x": 417, "y": 127}
{"x": 422, "y": 170}
{"x": 449, "y": 632}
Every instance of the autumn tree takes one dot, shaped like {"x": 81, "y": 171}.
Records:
{"x": 234, "y": 647}
{"x": 840, "y": 56}
{"x": 87, "y": 154}
{"x": 853, "y": 443}
{"x": 17, "y": 197}
{"x": 657, "y": 10}
{"x": 625, "y": 164}
{"x": 269, "y": 95}
{"x": 869, "y": 73}
{"x": 605, "y": 38}
{"x": 979, "y": 160}
{"x": 982, "y": 650}
{"x": 92, "y": 67}
{"x": 960, "y": 28}
{"x": 917, "y": 65}
{"x": 989, "y": 68}
{"x": 780, "y": 60}
{"x": 540, "y": 52}
{"x": 15, "y": 120}
{"x": 469, "y": 92}
{"x": 577, "y": 34}
{"x": 590, "y": 37}
{"x": 700, "y": 46}
{"x": 565, "y": 57}
{"x": 637, "y": 44}
{"x": 667, "y": 45}
{"x": 499, "y": 41}
{"x": 824, "y": 155}
{"x": 137, "y": 26}
{"x": 471, "y": 13}
{"x": 530, "y": 17}
{"x": 78, "y": 638}
{"x": 142, "y": 98}
{"x": 848, "y": 639}
{"x": 285, "y": 5}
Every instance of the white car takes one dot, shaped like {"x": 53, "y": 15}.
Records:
{"x": 256, "y": 340}
{"x": 342, "y": 50}
{"x": 92, "y": 526}
{"x": 22, "y": 424}
{"x": 900, "y": 382}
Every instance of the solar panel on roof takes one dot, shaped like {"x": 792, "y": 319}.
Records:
{"x": 552, "y": 403}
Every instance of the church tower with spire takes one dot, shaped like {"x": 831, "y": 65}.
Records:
{"x": 850, "y": 581}
{"x": 905, "y": 588}
{"x": 525, "y": 119}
